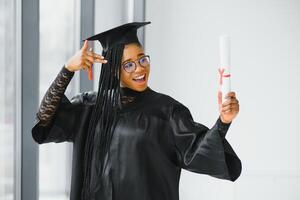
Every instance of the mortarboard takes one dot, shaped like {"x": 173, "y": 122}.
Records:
{"x": 124, "y": 34}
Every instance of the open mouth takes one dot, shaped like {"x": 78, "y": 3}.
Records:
{"x": 140, "y": 78}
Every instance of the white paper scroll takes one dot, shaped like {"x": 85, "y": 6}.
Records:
{"x": 224, "y": 69}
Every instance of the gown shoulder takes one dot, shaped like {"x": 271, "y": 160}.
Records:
{"x": 84, "y": 98}
{"x": 164, "y": 99}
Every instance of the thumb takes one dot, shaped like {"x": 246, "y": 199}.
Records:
{"x": 85, "y": 45}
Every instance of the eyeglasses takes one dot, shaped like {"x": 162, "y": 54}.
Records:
{"x": 130, "y": 66}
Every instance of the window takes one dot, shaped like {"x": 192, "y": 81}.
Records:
{"x": 58, "y": 24}
{"x": 8, "y": 97}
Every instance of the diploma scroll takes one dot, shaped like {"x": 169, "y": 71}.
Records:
{"x": 224, "y": 70}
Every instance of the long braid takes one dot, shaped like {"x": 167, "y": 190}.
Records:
{"x": 113, "y": 96}
{"x": 102, "y": 121}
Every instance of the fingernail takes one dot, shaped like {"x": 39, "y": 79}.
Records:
{"x": 105, "y": 61}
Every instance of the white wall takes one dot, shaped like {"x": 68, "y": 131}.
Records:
{"x": 108, "y": 14}
{"x": 183, "y": 44}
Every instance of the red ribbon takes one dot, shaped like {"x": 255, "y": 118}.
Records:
{"x": 221, "y": 72}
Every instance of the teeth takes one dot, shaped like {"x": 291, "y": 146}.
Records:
{"x": 140, "y": 77}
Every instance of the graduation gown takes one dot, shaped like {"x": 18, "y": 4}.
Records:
{"x": 154, "y": 138}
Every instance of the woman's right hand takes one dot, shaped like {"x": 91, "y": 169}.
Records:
{"x": 83, "y": 59}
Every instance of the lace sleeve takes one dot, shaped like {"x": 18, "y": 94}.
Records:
{"x": 53, "y": 97}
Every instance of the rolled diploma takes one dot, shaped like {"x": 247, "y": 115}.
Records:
{"x": 224, "y": 69}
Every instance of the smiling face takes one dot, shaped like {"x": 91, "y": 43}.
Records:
{"x": 138, "y": 79}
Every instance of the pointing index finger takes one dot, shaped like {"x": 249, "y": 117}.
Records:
{"x": 89, "y": 53}
{"x": 85, "y": 45}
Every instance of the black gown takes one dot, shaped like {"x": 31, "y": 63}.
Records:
{"x": 154, "y": 138}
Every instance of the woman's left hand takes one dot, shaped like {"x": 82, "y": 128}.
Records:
{"x": 230, "y": 108}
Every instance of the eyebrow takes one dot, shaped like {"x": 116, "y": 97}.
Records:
{"x": 140, "y": 54}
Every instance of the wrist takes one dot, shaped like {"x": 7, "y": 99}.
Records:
{"x": 68, "y": 68}
{"x": 222, "y": 127}
{"x": 67, "y": 71}
{"x": 224, "y": 121}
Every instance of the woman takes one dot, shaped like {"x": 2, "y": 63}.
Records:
{"x": 129, "y": 141}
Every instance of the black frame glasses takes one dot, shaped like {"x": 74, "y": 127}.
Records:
{"x": 130, "y": 66}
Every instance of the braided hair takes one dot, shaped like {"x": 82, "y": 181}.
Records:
{"x": 102, "y": 121}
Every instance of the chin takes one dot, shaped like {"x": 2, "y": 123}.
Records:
{"x": 138, "y": 87}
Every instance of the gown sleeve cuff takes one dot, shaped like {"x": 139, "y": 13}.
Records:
{"x": 222, "y": 127}
{"x": 39, "y": 131}
{"x": 67, "y": 72}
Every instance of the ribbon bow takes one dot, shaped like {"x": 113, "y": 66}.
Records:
{"x": 221, "y": 72}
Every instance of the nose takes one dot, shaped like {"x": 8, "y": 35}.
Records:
{"x": 139, "y": 68}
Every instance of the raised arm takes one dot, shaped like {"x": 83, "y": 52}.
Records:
{"x": 53, "y": 96}
{"x": 83, "y": 59}
{"x": 58, "y": 118}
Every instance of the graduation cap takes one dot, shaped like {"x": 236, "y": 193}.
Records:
{"x": 124, "y": 34}
{"x": 107, "y": 103}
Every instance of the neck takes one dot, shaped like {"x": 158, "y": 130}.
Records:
{"x": 132, "y": 92}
